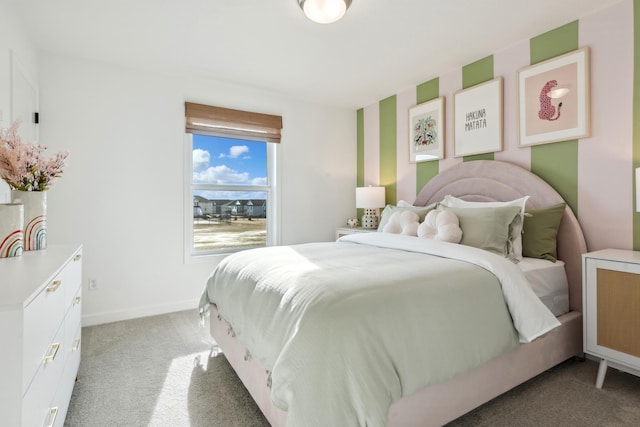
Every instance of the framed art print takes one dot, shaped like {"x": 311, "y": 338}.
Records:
{"x": 426, "y": 131}
{"x": 553, "y": 99}
{"x": 478, "y": 119}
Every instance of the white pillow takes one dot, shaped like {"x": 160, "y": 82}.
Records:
{"x": 391, "y": 209}
{"x": 516, "y": 228}
{"x": 441, "y": 225}
{"x": 405, "y": 222}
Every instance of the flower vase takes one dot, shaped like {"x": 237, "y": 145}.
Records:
{"x": 35, "y": 217}
{"x": 11, "y": 230}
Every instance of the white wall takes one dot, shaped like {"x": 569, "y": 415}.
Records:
{"x": 121, "y": 194}
{"x": 12, "y": 38}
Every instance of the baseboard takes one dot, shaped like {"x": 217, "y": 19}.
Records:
{"x": 136, "y": 312}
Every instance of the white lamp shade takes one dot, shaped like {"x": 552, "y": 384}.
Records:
{"x": 370, "y": 197}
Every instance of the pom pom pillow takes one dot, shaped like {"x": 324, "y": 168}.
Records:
{"x": 402, "y": 207}
{"x": 441, "y": 225}
{"x": 403, "y": 222}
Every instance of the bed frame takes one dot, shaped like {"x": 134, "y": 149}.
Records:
{"x": 481, "y": 180}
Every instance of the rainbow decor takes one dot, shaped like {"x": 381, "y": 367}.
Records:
{"x": 35, "y": 218}
{"x": 11, "y": 233}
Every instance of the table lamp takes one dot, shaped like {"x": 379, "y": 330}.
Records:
{"x": 371, "y": 199}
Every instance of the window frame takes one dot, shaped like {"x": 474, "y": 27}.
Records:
{"x": 273, "y": 200}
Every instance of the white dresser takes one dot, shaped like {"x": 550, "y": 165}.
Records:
{"x": 40, "y": 312}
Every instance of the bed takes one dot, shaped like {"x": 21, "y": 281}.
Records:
{"x": 402, "y": 401}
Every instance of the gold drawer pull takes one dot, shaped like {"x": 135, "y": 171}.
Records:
{"x": 76, "y": 301}
{"x": 53, "y": 413}
{"x": 77, "y": 257}
{"x": 52, "y": 353}
{"x": 54, "y": 286}
{"x": 76, "y": 344}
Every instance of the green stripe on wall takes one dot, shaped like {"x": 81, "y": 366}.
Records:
{"x": 553, "y": 43}
{"x": 427, "y": 170}
{"x": 472, "y": 74}
{"x": 636, "y": 115}
{"x": 388, "y": 154}
{"x": 360, "y": 153}
{"x": 477, "y": 72}
{"x": 557, "y": 163}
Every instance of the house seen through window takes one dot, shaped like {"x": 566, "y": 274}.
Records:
{"x": 231, "y": 192}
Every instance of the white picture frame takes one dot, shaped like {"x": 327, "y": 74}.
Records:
{"x": 426, "y": 131}
{"x": 478, "y": 119}
{"x": 553, "y": 99}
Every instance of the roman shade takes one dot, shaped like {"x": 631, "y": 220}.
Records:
{"x": 225, "y": 122}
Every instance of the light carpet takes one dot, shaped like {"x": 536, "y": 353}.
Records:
{"x": 156, "y": 371}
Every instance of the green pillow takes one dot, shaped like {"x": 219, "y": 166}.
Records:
{"x": 486, "y": 228}
{"x": 540, "y": 230}
{"x": 389, "y": 210}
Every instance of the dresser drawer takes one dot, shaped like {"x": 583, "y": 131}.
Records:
{"x": 72, "y": 327}
{"x": 37, "y": 409}
{"x": 72, "y": 280}
{"x": 71, "y": 365}
{"x": 42, "y": 318}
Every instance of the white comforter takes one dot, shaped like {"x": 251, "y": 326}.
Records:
{"x": 530, "y": 316}
{"x": 347, "y": 328}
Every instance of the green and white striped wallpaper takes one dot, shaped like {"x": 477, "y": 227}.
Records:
{"x": 595, "y": 174}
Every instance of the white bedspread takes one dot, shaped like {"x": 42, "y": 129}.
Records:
{"x": 530, "y": 317}
{"x": 344, "y": 339}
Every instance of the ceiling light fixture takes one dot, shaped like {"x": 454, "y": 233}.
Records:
{"x": 324, "y": 11}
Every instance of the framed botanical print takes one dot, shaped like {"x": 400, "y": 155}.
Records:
{"x": 426, "y": 131}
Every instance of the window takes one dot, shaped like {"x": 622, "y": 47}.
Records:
{"x": 230, "y": 180}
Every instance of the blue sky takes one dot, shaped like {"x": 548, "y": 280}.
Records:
{"x": 229, "y": 161}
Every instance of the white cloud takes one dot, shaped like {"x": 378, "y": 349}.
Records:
{"x": 238, "y": 150}
{"x": 259, "y": 181}
{"x": 220, "y": 175}
{"x": 201, "y": 159}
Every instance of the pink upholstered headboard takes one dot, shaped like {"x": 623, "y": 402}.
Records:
{"x": 491, "y": 180}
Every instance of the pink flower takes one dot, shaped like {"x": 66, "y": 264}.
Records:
{"x": 22, "y": 165}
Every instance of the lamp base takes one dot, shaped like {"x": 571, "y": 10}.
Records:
{"x": 369, "y": 219}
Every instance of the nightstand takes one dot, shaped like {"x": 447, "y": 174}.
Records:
{"x": 611, "y": 305}
{"x": 343, "y": 231}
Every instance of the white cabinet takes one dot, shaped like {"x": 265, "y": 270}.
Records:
{"x": 611, "y": 285}
{"x": 40, "y": 311}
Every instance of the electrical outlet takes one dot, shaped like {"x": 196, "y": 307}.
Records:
{"x": 93, "y": 284}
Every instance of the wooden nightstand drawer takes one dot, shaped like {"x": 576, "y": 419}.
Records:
{"x": 618, "y": 310}
{"x": 611, "y": 301}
